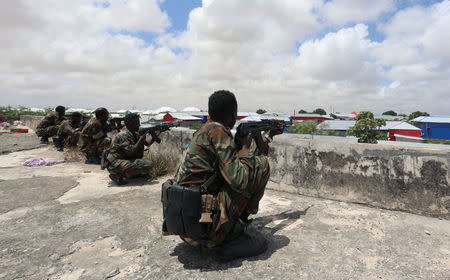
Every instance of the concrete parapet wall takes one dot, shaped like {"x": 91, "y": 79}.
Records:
{"x": 31, "y": 121}
{"x": 402, "y": 178}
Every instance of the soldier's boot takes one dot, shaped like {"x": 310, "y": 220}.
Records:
{"x": 240, "y": 244}
{"x": 92, "y": 160}
{"x": 244, "y": 246}
{"x": 117, "y": 179}
{"x": 44, "y": 140}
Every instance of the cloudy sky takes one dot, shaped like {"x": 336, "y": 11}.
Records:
{"x": 281, "y": 55}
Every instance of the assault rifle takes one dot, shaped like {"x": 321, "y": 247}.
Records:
{"x": 153, "y": 130}
{"x": 255, "y": 129}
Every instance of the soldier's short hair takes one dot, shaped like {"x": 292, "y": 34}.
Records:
{"x": 221, "y": 104}
{"x": 130, "y": 117}
{"x": 76, "y": 115}
{"x": 60, "y": 109}
{"x": 100, "y": 112}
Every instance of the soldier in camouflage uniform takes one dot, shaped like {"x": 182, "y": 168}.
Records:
{"x": 95, "y": 136}
{"x": 124, "y": 157}
{"x": 239, "y": 186}
{"x": 48, "y": 126}
{"x": 69, "y": 132}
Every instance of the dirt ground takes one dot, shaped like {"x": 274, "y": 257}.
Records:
{"x": 69, "y": 221}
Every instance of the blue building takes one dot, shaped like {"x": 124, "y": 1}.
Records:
{"x": 434, "y": 127}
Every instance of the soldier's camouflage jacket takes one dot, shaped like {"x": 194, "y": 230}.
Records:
{"x": 122, "y": 146}
{"x": 95, "y": 130}
{"x": 66, "y": 128}
{"x": 242, "y": 180}
{"x": 51, "y": 119}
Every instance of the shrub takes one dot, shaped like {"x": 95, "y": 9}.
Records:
{"x": 163, "y": 163}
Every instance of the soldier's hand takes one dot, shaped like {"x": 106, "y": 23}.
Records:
{"x": 245, "y": 141}
{"x": 148, "y": 139}
{"x": 279, "y": 130}
{"x": 142, "y": 140}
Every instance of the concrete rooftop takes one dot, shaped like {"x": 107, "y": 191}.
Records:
{"x": 69, "y": 222}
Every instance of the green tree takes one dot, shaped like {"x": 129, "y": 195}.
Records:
{"x": 261, "y": 111}
{"x": 390, "y": 113}
{"x": 319, "y": 111}
{"x": 366, "y": 128}
{"x": 308, "y": 127}
{"x": 302, "y": 112}
{"x": 417, "y": 114}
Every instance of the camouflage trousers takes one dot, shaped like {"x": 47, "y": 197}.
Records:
{"x": 95, "y": 148}
{"x": 70, "y": 140}
{"x": 130, "y": 168}
{"x": 47, "y": 132}
{"x": 234, "y": 204}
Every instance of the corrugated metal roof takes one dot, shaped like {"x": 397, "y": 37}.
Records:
{"x": 345, "y": 125}
{"x": 251, "y": 119}
{"x": 184, "y": 117}
{"x": 336, "y": 125}
{"x": 191, "y": 109}
{"x": 401, "y": 125}
{"x": 312, "y": 116}
{"x": 432, "y": 119}
{"x": 275, "y": 117}
{"x": 407, "y": 137}
{"x": 195, "y": 113}
{"x": 246, "y": 114}
{"x": 348, "y": 116}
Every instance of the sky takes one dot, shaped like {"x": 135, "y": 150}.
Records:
{"x": 279, "y": 55}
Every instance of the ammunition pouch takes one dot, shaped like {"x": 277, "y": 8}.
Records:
{"x": 181, "y": 210}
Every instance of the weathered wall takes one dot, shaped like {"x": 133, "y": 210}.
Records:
{"x": 31, "y": 121}
{"x": 404, "y": 178}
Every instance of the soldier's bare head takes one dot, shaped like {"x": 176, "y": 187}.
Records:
{"x": 75, "y": 117}
{"x": 61, "y": 110}
{"x": 101, "y": 114}
{"x": 132, "y": 122}
{"x": 222, "y": 107}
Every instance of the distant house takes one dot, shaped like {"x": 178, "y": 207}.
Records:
{"x": 191, "y": 109}
{"x": 394, "y": 129}
{"x": 183, "y": 118}
{"x": 199, "y": 114}
{"x": 310, "y": 117}
{"x": 280, "y": 117}
{"x": 345, "y": 116}
{"x": 241, "y": 115}
{"x": 437, "y": 127}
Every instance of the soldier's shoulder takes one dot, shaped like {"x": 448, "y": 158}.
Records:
{"x": 216, "y": 131}
{"x": 122, "y": 135}
{"x": 92, "y": 122}
{"x": 50, "y": 115}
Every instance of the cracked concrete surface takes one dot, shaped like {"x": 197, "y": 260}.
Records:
{"x": 69, "y": 222}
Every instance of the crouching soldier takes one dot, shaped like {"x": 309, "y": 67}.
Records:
{"x": 69, "y": 132}
{"x": 124, "y": 157}
{"x": 49, "y": 125}
{"x": 95, "y": 136}
{"x": 230, "y": 182}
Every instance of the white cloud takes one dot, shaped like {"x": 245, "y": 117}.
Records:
{"x": 84, "y": 54}
{"x": 341, "y": 12}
